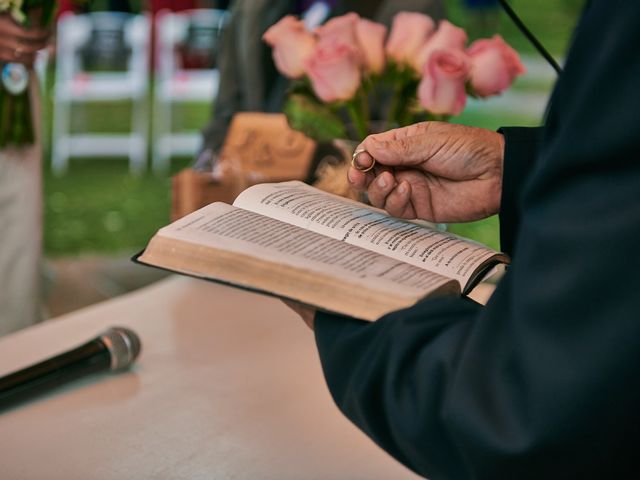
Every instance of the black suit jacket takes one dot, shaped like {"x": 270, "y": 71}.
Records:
{"x": 543, "y": 382}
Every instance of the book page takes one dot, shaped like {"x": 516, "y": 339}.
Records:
{"x": 225, "y": 227}
{"x": 358, "y": 224}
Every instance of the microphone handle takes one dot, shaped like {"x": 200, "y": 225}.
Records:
{"x": 88, "y": 358}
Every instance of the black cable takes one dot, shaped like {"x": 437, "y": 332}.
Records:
{"x": 534, "y": 41}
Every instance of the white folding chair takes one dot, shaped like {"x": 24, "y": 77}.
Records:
{"x": 175, "y": 84}
{"x": 75, "y": 85}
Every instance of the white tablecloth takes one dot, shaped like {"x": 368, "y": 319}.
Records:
{"x": 228, "y": 386}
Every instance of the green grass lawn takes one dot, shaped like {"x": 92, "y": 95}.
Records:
{"x": 97, "y": 207}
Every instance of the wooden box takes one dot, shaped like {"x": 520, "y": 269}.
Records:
{"x": 260, "y": 147}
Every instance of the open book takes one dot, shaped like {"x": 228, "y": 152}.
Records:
{"x": 297, "y": 242}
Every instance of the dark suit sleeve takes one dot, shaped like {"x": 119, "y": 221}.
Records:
{"x": 521, "y": 148}
{"x": 543, "y": 381}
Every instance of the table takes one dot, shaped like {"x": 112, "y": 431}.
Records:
{"x": 228, "y": 386}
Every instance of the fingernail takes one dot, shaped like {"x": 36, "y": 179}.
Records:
{"x": 402, "y": 188}
{"x": 381, "y": 182}
{"x": 350, "y": 174}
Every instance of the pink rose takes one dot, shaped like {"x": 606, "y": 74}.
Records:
{"x": 334, "y": 71}
{"x": 442, "y": 89}
{"x": 341, "y": 28}
{"x": 409, "y": 32}
{"x": 292, "y": 45}
{"x": 370, "y": 37}
{"x": 447, "y": 36}
{"x": 494, "y": 66}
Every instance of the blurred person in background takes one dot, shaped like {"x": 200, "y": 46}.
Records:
{"x": 20, "y": 198}
{"x": 249, "y": 80}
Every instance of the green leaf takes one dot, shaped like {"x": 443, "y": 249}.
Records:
{"x": 314, "y": 119}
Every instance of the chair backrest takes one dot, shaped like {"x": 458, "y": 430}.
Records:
{"x": 111, "y": 46}
{"x": 186, "y": 48}
{"x": 107, "y": 49}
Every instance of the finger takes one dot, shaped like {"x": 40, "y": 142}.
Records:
{"x": 18, "y": 49}
{"x": 7, "y": 55}
{"x": 405, "y": 151}
{"x": 403, "y": 132}
{"x": 10, "y": 28}
{"x": 389, "y": 135}
{"x": 359, "y": 180}
{"x": 398, "y": 202}
{"x": 25, "y": 46}
{"x": 393, "y": 134}
{"x": 362, "y": 160}
{"x": 306, "y": 313}
{"x": 380, "y": 188}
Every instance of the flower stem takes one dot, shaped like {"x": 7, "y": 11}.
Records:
{"x": 366, "y": 114}
{"x": 356, "y": 115}
{"x": 393, "y": 107}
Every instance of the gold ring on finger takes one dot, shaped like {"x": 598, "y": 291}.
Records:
{"x": 355, "y": 165}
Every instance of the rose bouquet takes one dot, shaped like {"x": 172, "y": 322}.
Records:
{"x": 16, "y": 126}
{"x": 351, "y": 76}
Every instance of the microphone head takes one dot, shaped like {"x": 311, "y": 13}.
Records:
{"x": 123, "y": 344}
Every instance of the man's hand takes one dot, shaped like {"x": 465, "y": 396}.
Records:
{"x": 434, "y": 171}
{"x": 18, "y": 44}
{"x": 308, "y": 314}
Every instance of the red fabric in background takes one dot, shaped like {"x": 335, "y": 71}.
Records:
{"x": 66, "y": 6}
{"x": 153, "y": 5}
{"x": 175, "y": 5}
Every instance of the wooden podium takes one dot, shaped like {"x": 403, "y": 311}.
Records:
{"x": 191, "y": 190}
{"x": 260, "y": 147}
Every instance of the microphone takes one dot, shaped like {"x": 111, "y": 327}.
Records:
{"x": 113, "y": 350}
